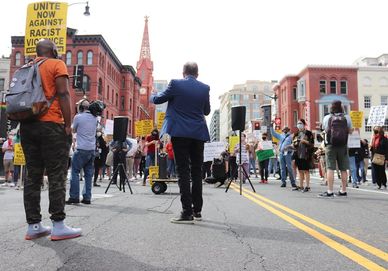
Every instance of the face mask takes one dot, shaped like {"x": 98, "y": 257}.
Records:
{"x": 264, "y": 138}
{"x": 99, "y": 134}
{"x": 300, "y": 126}
{"x": 154, "y": 134}
{"x": 375, "y": 132}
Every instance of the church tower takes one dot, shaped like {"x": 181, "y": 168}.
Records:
{"x": 145, "y": 68}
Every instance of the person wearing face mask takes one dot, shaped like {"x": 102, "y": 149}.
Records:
{"x": 285, "y": 155}
{"x": 379, "y": 152}
{"x": 264, "y": 163}
{"x": 101, "y": 154}
{"x": 152, "y": 143}
{"x": 303, "y": 142}
{"x": 8, "y": 160}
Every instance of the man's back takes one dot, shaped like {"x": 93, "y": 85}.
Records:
{"x": 188, "y": 103}
{"x": 85, "y": 125}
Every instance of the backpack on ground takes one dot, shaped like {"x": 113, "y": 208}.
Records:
{"x": 337, "y": 132}
{"x": 26, "y": 99}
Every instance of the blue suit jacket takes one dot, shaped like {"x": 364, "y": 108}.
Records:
{"x": 188, "y": 104}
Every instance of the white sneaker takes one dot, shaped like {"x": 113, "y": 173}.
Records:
{"x": 62, "y": 232}
{"x": 37, "y": 230}
{"x": 11, "y": 185}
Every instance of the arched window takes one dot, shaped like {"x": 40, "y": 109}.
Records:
{"x": 89, "y": 58}
{"x": 80, "y": 57}
{"x": 107, "y": 94}
{"x": 100, "y": 86}
{"x": 86, "y": 83}
{"x": 117, "y": 100}
{"x": 17, "y": 59}
{"x": 68, "y": 58}
{"x": 123, "y": 82}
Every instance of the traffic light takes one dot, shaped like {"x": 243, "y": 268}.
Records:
{"x": 256, "y": 126}
{"x": 78, "y": 76}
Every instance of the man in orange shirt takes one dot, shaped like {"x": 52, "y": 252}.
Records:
{"x": 46, "y": 144}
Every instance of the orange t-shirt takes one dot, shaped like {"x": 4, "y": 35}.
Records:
{"x": 50, "y": 70}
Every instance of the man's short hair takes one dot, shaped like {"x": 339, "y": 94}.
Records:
{"x": 190, "y": 68}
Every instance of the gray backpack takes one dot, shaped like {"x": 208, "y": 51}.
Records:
{"x": 26, "y": 99}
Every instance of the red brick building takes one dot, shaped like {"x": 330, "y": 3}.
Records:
{"x": 105, "y": 77}
{"x": 309, "y": 94}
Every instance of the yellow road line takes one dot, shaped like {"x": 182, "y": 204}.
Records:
{"x": 368, "y": 248}
{"x": 357, "y": 258}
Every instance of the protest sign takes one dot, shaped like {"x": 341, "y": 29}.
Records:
{"x": 160, "y": 119}
{"x": 147, "y": 127}
{"x": 213, "y": 150}
{"x": 233, "y": 141}
{"x": 377, "y": 115}
{"x": 18, "y": 159}
{"x": 354, "y": 140}
{"x": 139, "y": 128}
{"x": 357, "y": 118}
{"x": 109, "y": 127}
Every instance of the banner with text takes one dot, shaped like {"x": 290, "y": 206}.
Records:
{"x": 354, "y": 140}
{"x": 377, "y": 115}
{"x": 233, "y": 141}
{"x": 148, "y": 126}
{"x": 45, "y": 20}
{"x": 160, "y": 119}
{"x": 138, "y": 128}
{"x": 18, "y": 159}
{"x": 357, "y": 118}
{"x": 108, "y": 127}
{"x": 213, "y": 150}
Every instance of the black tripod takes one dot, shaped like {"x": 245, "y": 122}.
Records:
{"x": 241, "y": 171}
{"x": 122, "y": 183}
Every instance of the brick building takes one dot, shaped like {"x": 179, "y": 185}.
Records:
{"x": 105, "y": 77}
{"x": 309, "y": 94}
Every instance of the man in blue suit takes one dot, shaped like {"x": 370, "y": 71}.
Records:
{"x": 188, "y": 104}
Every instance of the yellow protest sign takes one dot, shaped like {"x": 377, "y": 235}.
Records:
{"x": 139, "y": 128}
{"x": 233, "y": 141}
{"x": 153, "y": 172}
{"x": 46, "y": 20}
{"x": 357, "y": 118}
{"x": 274, "y": 139}
{"x": 147, "y": 127}
{"x": 160, "y": 117}
{"x": 18, "y": 159}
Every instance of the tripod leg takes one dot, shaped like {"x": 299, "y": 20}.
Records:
{"x": 110, "y": 180}
{"x": 230, "y": 182}
{"x": 249, "y": 180}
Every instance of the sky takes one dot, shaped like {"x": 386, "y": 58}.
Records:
{"x": 232, "y": 41}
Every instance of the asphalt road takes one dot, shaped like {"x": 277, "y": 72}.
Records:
{"x": 275, "y": 229}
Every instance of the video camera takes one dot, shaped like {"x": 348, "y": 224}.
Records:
{"x": 96, "y": 108}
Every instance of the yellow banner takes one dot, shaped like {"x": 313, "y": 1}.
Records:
{"x": 46, "y": 20}
{"x": 18, "y": 159}
{"x": 233, "y": 141}
{"x": 139, "y": 128}
{"x": 160, "y": 117}
{"x": 153, "y": 172}
{"x": 357, "y": 118}
{"x": 147, "y": 127}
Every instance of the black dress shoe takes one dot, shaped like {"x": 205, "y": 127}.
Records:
{"x": 96, "y": 185}
{"x": 86, "y": 201}
{"x": 283, "y": 185}
{"x": 197, "y": 216}
{"x": 72, "y": 201}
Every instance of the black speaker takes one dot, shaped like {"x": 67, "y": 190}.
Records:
{"x": 120, "y": 128}
{"x": 238, "y": 118}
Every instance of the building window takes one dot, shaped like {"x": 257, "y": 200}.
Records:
{"x": 122, "y": 103}
{"x": 333, "y": 86}
{"x": 130, "y": 104}
{"x": 367, "y": 128}
{"x": 254, "y": 97}
{"x": 68, "y": 58}
{"x": 86, "y": 83}
{"x": 367, "y": 101}
{"x": 17, "y": 59}
{"x": 130, "y": 127}
{"x": 117, "y": 100}
{"x": 123, "y": 82}
{"x": 295, "y": 117}
{"x": 111, "y": 116}
{"x": 384, "y": 100}
{"x": 107, "y": 114}
{"x": 295, "y": 93}
{"x": 107, "y": 94}
{"x": 113, "y": 97}
{"x": 80, "y": 56}
{"x": 100, "y": 86}
{"x": 2, "y": 83}
{"x": 385, "y": 125}
{"x": 344, "y": 87}
{"x": 322, "y": 86}
{"x": 89, "y": 60}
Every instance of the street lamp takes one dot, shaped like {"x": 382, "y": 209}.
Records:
{"x": 87, "y": 12}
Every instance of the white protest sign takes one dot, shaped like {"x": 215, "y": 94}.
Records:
{"x": 263, "y": 129}
{"x": 377, "y": 115}
{"x": 354, "y": 140}
{"x": 109, "y": 127}
{"x": 213, "y": 150}
{"x": 266, "y": 145}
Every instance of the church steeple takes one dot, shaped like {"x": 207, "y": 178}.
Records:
{"x": 145, "y": 51}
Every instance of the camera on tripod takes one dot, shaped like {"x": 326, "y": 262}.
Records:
{"x": 96, "y": 108}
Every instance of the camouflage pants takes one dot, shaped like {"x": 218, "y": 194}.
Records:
{"x": 46, "y": 148}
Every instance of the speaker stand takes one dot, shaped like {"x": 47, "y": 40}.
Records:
{"x": 241, "y": 171}
{"x": 122, "y": 182}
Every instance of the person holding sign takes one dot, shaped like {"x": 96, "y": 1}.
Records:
{"x": 379, "y": 156}
{"x": 303, "y": 142}
{"x": 152, "y": 144}
{"x": 264, "y": 163}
